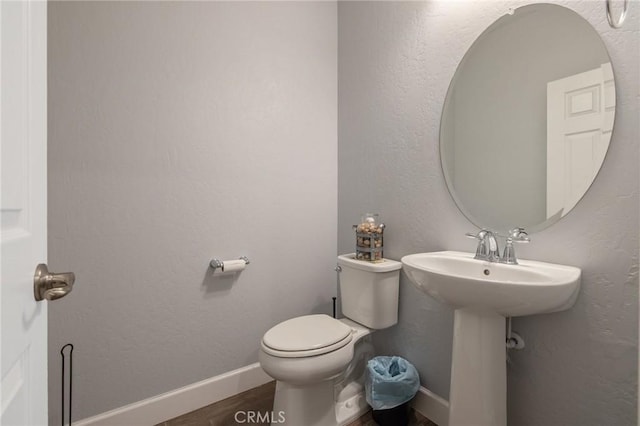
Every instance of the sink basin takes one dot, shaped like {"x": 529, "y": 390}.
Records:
{"x": 483, "y": 294}
{"x": 459, "y": 280}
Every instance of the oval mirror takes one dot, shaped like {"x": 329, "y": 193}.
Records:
{"x": 527, "y": 119}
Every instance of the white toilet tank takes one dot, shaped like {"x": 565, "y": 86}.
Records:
{"x": 369, "y": 291}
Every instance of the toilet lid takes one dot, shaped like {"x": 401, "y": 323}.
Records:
{"x": 308, "y": 333}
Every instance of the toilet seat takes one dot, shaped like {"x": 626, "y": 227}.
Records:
{"x": 306, "y": 336}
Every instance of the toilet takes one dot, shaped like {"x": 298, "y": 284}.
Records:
{"x": 319, "y": 361}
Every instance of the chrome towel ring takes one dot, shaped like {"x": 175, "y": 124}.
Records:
{"x": 621, "y": 18}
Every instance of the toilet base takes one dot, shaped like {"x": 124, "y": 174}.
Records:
{"x": 304, "y": 405}
{"x": 315, "y": 405}
{"x": 351, "y": 409}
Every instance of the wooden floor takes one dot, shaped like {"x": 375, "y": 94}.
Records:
{"x": 222, "y": 413}
{"x": 415, "y": 419}
{"x": 260, "y": 400}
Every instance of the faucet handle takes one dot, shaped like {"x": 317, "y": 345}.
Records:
{"x": 518, "y": 235}
{"x": 479, "y": 236}
{"x": 481, "y": 249}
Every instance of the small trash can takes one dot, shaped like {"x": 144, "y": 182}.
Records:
{"x": 390, "y": 384}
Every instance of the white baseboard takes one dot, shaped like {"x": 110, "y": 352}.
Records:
{"x": 432, "y": 406}
{"x": 197, "y": 395}
{"x": 183, "y": 400}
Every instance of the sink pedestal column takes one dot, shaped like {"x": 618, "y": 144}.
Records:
{"x": 478, "y": 394}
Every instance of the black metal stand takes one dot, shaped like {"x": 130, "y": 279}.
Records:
{"x": 70, "y": 380}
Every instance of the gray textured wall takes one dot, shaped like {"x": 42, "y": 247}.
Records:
{"x": 180, "y": 131}
{"x": 395, "y": 63}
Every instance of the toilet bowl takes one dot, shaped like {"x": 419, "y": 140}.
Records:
{"x": 318, "y": 361}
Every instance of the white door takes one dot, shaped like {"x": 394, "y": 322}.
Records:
{"x": 23, "y": 210}
{"x": 580, "y": 111}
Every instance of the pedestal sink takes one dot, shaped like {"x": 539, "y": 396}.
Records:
{"x": 483, "y": 294}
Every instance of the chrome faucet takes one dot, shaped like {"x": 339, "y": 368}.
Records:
{"x": 487, "y": 246}
{"x": 488, "y": 250}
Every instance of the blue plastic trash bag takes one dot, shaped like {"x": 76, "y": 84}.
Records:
{"x": 391, "y": 381}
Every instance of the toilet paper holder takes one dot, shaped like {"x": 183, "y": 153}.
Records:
{"x": 219, "y": 264}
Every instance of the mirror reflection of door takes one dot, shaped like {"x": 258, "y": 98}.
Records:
{"x": 580, "y": 113}
{"x": 495, "y": 157}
